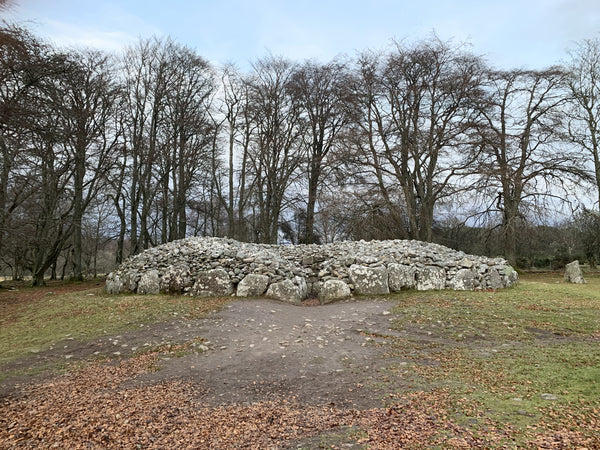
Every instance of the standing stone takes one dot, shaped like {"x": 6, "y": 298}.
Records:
{"x": 573, "y": 273}
{"x": 401, "y": 276}
{"x": 431, "y": 278}
{"x": 212, "y": 283}
{"x": 176, "y": 279}
{"x": 252, "y": 285}
{"x": 493, "y": 279}
{"x": 149, "y": 283}
{"x": 333, "y": 290}
{"x": 285, "y": 290}
{"x": 114, "y": 285}
{"x": 369, "y": 280}
{"x": 464, "y": 280}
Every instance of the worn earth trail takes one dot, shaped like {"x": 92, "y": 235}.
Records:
{"x": 256, "y": 350}
{"x": 257, "y": 373}
{"x": 252, "y": 351}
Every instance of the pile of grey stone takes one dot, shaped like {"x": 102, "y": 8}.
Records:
{"x": 209, "y": 266}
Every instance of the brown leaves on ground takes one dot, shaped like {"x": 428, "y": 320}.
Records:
{"x": 92, "y": 408}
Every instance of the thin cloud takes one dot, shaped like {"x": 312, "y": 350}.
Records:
{"x": 70, "y": 35}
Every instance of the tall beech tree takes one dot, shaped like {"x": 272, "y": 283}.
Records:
{"x": 276, "y": 152}
{"x": 418, "y": 105}
{"x": 189, "y": 136}
{"x": 584, "y": 113}
{"x": 87, "y": 112}
{"x": 523, "y": 157}
{"x": 324, "y": 99}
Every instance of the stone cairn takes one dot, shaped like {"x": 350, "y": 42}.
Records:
{"x": 211, "y": 267}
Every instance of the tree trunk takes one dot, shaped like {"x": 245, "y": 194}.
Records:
{"x": 78, "y": 213}
{"x": 135, "y": 204}
{"x": 510, "y": 234}
{"x": 122, "y": 231}
{"x": 313, "y": 185}
{"x": 38, "y": 279}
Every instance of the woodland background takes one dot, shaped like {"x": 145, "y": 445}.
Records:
{"x": 104, "y": 155}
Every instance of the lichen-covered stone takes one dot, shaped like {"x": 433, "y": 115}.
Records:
{"x": 510, "y": 275}
{"x": 431, "y": 278}
{"x": 176, "y": 279}
{"x": 285, "y": 290}
{"x": 332, "y": 290}
{"x": 494, "y": 280}
{"x": 464, "y": 280}
{"x": 149, "y": 283}
{"x": 573, "y": 273}
{"x": 114, "y": 284}
{"x": 300, "y": 283}
{"x": 212, "y": 283}
{"x": 252, "y": 285}
{"x": 401, "y": 276}
{"x": 369, "y": 280}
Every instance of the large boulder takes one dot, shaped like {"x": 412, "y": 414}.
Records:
{"x": 369, "y": 280}
{"x": 300, "y": 283}
{"x": 333, "y": 290}
{"x": 463, "y": 280}
{"x": 114, "y": 284}
{"x": 401, "y": 276}
{"x": 149, "y": 283}
{"x": 573, "y": 273}
{"x": 493, "y": 280}
{"x": 176, "y": 279}
{"x": 431, "y": 278}
{"x": 510, "y": 275}
{"x": 286, "y": 291}
{"x": 212, "y": 283}
{"x": 252, "y": 285}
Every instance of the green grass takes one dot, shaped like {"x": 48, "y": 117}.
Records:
{"x": 33, "y": 326}
{"x": 493, "y": 353}
{"x": 498, "y": 352}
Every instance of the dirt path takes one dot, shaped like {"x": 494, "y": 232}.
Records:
{"x": 253, "y": 351}
{"x": 256, "y": 350}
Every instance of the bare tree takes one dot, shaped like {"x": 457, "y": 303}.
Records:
{"x": 169, "y": 137}
{"x": 523, "y": 160}
{"x": 238, "y": 129}
{"x": 324, "y": 98}
{"x": 145, "y": 73}
{"x": 87, "y": 103}
{"x": 52, "y": 167}
{"x": 23, "y": 67}
{"x": 189, "y": 134}
{"x": 584, "y": 114}
{"x": 35, "y": 177}
{"x": 275, "y": 150}
{"x": 418, "y": 106}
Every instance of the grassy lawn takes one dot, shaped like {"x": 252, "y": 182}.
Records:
{"x": 519, "y": 359}
{"x": 517, "y": 367}
{"x": 32, "y": 325}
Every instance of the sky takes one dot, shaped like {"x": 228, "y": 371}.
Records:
{"x": 532, "y": 34}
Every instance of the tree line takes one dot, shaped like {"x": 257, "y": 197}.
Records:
{"x": 416, "y": 142}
